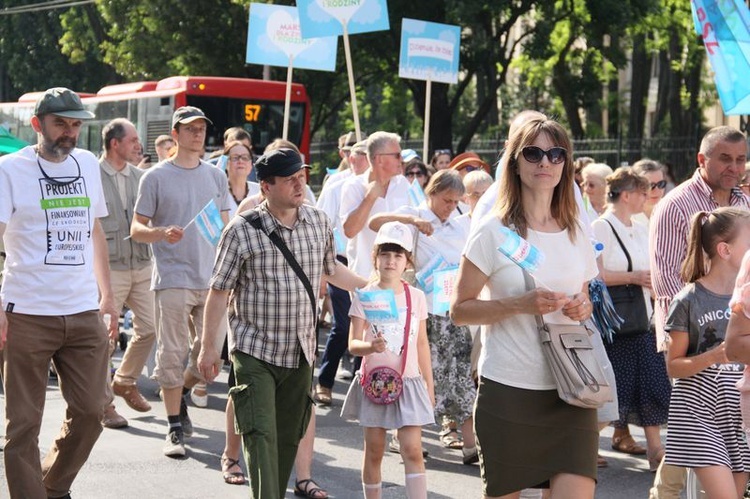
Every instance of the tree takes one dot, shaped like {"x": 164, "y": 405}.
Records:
{"x": 31, "y": 58}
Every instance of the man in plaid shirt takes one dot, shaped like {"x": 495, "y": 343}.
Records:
{"x": 272, "y": 324}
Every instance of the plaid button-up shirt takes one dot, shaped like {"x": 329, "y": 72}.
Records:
{"x": 270, "y": 315}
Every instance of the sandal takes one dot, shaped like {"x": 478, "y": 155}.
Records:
{"x": 627, "y": 445}
{"x": 601, "y": 462}
{"x": 450, "y": 439}
{"x": 323, "y": 395}
{"x": 308, "y": 488}
{"x": 232, "y": 477}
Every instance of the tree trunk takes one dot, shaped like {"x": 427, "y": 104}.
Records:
{"x": 664, "y": 78}
{"x": 641, "y": 77}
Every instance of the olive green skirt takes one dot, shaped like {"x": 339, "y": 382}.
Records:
{"x": 525, "y": 437}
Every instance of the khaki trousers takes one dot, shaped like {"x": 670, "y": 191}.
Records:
{"x": 179, "y": 326}
{"x": 77, "y": 345}
{"x": 133, "y": 287}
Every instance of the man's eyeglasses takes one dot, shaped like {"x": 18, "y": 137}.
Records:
{"x": 237, "y": 159}
{"x": 396, "y": 155}
{"x": 661, "y": 184}
{"x": 534, "y": 154}
{"x": 415, "y": 173}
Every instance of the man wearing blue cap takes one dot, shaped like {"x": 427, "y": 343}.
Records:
{"x": 272, "y": 318}
{"x": 56, "y": 292}
{"x": 170, "y": 195}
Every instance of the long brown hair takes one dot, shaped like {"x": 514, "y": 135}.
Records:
{"x": 509, "y": 207}
{"x": 707, "y": 230}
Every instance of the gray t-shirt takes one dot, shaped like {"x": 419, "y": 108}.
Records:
{"x": 702, "y": 314}
{"x": 171, "y": 195}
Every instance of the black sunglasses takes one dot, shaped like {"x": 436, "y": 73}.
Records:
{"x": 661, "y": 184}
{"x": 534, "y": 154}
{"x": 442, "y": 151}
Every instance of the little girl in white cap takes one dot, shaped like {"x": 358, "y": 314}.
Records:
{"x": 394, "y": 389}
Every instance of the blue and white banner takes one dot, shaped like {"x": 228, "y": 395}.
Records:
{"x": 209, "y": 223}
{"x": 379, "y": 305}
{"x": 429, "y": 51}
{"x": 416, "y": 194}
{"x": 327, "y": 17}
{"x": 443, "y": 282}
{"x": 274, "y": 38}
{"x": 221, "y": 163}
{"x": 520, "y": 251}
{"x": 724, "y": 26}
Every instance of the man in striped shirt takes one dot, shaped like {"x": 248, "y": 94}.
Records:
{"x": 721, "y": 164}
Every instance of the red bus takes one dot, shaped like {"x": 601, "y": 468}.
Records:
{"x": 255, "y": 105}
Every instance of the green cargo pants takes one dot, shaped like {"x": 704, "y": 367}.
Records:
{"x": 272, "y": 408}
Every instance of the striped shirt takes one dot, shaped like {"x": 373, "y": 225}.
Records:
{"x": 668, "y": 234}
{"x": 270, "y": 314}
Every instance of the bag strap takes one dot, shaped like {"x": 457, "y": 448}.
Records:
{"x": 529, "y": 281}
{"x": 253, "y": 218}
{"x": 627, "y": 255}
{"x": 407, "y": 329}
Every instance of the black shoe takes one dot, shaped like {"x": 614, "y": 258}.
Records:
{"x": 66, "y": 496}
{"x": 187, "y": 425}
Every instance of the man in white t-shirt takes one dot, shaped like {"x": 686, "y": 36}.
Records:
{"x": 338, "y": 339}
{"x": 57, "y": 269}
{"x": 381, "y": 188}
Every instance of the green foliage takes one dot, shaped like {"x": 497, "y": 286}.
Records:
{"x": 515, "y": 54}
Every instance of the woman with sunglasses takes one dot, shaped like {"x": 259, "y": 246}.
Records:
{"x": 528, "y": 437}
{"x": 654, "y": 173}
{"x": 643, "y": 388}
{"x": 416, "y": 170}
{"x": 441, "y": 158}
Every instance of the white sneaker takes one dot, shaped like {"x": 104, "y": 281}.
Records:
{"x": 345, "y": 373}
{"x": 174, "y": 445}
{"x": 199, "y": 400}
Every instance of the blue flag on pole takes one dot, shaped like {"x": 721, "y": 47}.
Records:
{"x": 209, "y": 223}
{"x": 725, "y": 28}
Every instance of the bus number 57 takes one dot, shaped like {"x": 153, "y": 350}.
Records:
{"x": 251, "y": 112}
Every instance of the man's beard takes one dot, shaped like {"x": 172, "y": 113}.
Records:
{"x": 60, "y": 147}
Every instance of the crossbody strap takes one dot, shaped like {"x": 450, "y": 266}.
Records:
{"x": 627, "y": 255}
{"x": 407, "y": 330}
{"x": 253, "y": 218}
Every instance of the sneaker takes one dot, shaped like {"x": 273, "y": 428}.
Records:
{"x": 174, "y": 445}
{"x": 112, "y": 420}
{"x": 197, "y": 399}
{"x": 132, "y": 396}
{"x": 345, "y": 373}
{"x": 187, "y": 425}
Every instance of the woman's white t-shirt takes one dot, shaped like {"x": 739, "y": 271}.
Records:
{"x": 512, "y": 352}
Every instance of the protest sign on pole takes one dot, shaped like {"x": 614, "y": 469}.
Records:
{"x": 429, "y": 51}
{"x": 343, "y": 17}
{"x": 274, "y": 38}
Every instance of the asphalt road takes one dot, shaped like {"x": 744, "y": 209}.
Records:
{"x": 129, "y": 463}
